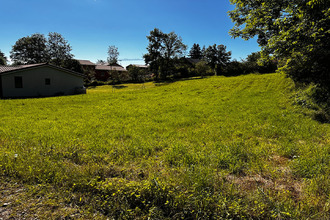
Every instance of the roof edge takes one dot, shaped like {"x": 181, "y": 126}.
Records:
{"x": 41, "y": 65}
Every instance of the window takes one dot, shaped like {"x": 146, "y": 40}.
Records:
{"x": 47, "y": 81}
{"x": 18, "y": 82}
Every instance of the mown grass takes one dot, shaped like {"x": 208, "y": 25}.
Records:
{"x": 218, "y": 147}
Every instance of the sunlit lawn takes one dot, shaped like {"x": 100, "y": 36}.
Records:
{"x": 235, "y": 147}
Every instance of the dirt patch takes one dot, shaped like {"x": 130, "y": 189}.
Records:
{"x": 282, "y": 180}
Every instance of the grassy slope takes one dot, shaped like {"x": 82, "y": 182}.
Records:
{"x": 214, "y": 147}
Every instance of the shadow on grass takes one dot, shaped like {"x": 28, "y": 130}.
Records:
{"x": 119, "y": 86}
{"x": 168, "y": 81}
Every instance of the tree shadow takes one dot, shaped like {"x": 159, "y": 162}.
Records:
{"x": 119, "y": 86}
{"x": 164, "y": 82}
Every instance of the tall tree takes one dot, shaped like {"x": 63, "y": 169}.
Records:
{"x": 3, "y": 59}
{"x": 217, "y": 57}
{"x": 58, "y": 49}
{"x": 163, "y": 49}
{"x": 296, "y": 32}
{"x": 113, "y": 55}
{"x": 196, "y": 52}
{"x": 30, "y": 50}
{"x": 155, "y": 47}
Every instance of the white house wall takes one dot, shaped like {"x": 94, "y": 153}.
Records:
{"x": 61, "y": 83}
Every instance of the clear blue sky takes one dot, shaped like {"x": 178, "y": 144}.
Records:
{"x": 90, "y": 26}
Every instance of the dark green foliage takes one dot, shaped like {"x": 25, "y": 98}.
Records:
{"x": 196, "y": 52}
{"x": 37, "y": 49}
{"x": 235, "y": 68}
{"x": 72, "y": 64}
{"x": 30, "y": 50}
{"x": 163, "y": 49}
{"x": 297, "y": 33}
{"x": 256, "y": 63}
{"x": 217, "y": 57}
{"x": 203, "y": 69}
{"x": 58, "y": 49}
{"x": 137, "y": 74}
{"x": 3, "y": 59}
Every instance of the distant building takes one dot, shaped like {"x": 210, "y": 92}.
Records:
{"x": 101, "y": 72}
{"x": 87, "y": 65}
{"x": 39, "y": 80}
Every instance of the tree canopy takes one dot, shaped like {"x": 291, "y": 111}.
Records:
{"x": 38, "y": 49}
{"x": 163, "y": 49}
{"x": 29, "y": 50}
{"x": 196, "y": 52}
{"x": 297, "y": 33}
{"x": 58, "y": 49}
{"x": 217, "y": 56}
{"x": 3, "y": 59}
{"x": 113, "y": 55}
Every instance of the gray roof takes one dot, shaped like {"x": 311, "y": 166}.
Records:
{"x": 4, "y": 69}
{"x": 9, "y": 69}
{"x": 86, "y": 63}
{"x": 106, "y": 67}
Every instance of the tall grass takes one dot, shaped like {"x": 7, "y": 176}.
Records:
{"x": 235, "y": 147}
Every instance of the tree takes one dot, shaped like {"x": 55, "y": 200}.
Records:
{"x": 3, "y": 59}
{"x": 113, "y": 55}
{"x": 37, "y": 49}
{"x": 155, "y": 48}
{"x": 137, "y": 74}
{"x": 255, "y": 63}
{"x": 30, "y": 50}
{"x": 202, "y": 68}
{"x": 73, "y": 65}
{"x": 58, "y": 49}
{"x": 196, "y": 52}
{"x": 101, "y": 62}
{"x": 217, "y": 57}
{"x": 296, "y": 32}
{"x": 163, "y": 50}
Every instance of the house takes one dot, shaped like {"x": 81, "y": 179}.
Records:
{"x": 39, "y": 80}
{"x": 88, "y": 68}
{"x": 87, "y": 65}
{"x": 103, "y": 72}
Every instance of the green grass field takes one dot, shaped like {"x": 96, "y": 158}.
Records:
{"x": 218, "y": 147}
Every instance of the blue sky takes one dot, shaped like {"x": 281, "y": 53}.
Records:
{"x": 90, "y": 26}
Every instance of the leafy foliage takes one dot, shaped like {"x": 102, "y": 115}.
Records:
{"x": 58, "y": 49}
{"x": 202, "y": 68}
{"x": 37, "y": 49}
{"x": 112, "y": 55}
{"x": 217, "y": 57}
{"x": 296, "y": 32}
{"x": 72, "y": 64}
{"x": 30, "y": 50}
{"x": 137, "y": 74}
{"x": 163, "y": 50}
{"x": 3, "y": 59}
{"x": 196, "y": 52}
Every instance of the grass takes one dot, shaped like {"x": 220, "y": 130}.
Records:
{"x": 218, "y": 147}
